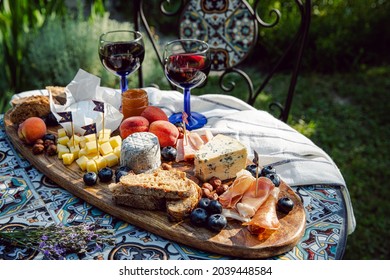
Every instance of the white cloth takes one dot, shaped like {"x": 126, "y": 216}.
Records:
{"x": 296, "y": 159}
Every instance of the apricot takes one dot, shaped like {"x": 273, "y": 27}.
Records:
{"x": 153, "y": 113}
{"x": 31, "y": 130}
{"x": 166, "y": 132}
{"x": 133, "y": 124}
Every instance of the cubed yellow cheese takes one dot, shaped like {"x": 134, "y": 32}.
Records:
{"x": 105, "y": 148}
{"x": 111, "y": 159}
{"x": 92, "y": 156}
{"x": 104, "y": 139}
{"x": 91, "y": 147}
{"x": 63, "y": 140}
{"x": 75, "y": 151}
{"x": 104, "y": 132}
{"x": 117, "y": 151}
{"x": 115, "y": 141}
{"x": 91, "y": 166}
{"x": 83, "y": 152}
{"x": 61, "y": 132}
{"x": 76, "y": 138}
{"x": 61, "y": 149}
{"x": 82, "y": 162}
{"x": 100, "y": 162}
{"x": 90, "y": 138}
{"x": 67, "y": 158}
{"x": 82, "y": 142}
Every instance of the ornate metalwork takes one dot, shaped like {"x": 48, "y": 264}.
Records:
{"x": 249, "y": 14}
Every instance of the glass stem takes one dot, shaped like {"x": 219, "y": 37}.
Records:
{"x": 187, "y": 101}
{"x": 123, "y": 83}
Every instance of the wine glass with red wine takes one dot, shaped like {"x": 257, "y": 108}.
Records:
{"x": 187, "y": 64}
{"x": 121, "y": 52}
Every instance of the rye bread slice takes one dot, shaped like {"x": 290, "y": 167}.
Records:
{"x": 177, "y": 210}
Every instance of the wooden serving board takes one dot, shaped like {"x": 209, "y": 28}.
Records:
{"x": 235, "y": 240}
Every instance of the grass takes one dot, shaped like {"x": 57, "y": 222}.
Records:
{"x": 348, "y": 116}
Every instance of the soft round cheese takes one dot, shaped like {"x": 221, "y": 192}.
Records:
{"x": 141, "y": 152}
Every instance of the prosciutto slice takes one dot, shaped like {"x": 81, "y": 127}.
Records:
{"x": 252, "y": 200}
{"x": 265, "y": 217}
{"x": 241, "y": 184}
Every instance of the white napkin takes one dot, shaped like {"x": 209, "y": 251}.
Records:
{"x": 295, "y": 158}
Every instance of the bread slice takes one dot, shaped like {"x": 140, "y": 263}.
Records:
{"x": 168, "y": 190}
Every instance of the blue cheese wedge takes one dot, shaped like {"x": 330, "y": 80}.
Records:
{"x": 141, "y": 152}
{"x": 222, "y": 157}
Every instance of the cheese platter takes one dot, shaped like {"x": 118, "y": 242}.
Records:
{"x": 233, "y": 240}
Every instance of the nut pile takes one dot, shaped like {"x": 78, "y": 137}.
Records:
{"x": 213, "y": 188}
{"x": 46, "y": 144}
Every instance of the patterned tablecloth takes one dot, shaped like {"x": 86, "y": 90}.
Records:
{"x": 28, "y": 198}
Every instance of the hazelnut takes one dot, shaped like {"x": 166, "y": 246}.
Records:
{"x": 166, "y": 166}
{"x": 48, "y": 142}
{"x": 38, "y": 149}
{"x": 39, "y": 141}
{"x": 214, "y": 196}
{"x": 208, "y": 186}
{"x": 207, "y": 193}
{"x": 51, "y": 150}
{"x": 221, "y": 189}
{"x": 215, "y": 182}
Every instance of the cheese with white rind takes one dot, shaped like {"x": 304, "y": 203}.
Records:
{"x": 222, "y": 157}
{"x": 141, "y": 152}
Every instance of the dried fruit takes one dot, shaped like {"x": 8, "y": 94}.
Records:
{"x": 38, "y": 149}
{"x": 51, "y": 150}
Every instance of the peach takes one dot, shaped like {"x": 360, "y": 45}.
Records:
{"x": 133, "y": 124}
{"x": 153, "y": 113}
{"x": 31, "y": 130}
{"x": 166, "y": 132}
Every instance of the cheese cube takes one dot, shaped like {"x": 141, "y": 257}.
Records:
{"x": 83, "y": 152}
{"x": 115, "y": 141}
{"x": 105, "y": 148}
{"x": 76, "y": 138}
{"x": 90, "y": 138}
{"x": 82, "y": 142}
{"x": 61, "y": 132}
{"x": 100, "y": 162}
{"x": 117, "y": 151}
{"x": 61, "y": 149}
{"x": 91, "y": 148}
{"x": 222, "y": 157}
{"x": 75, "y": 151}
{"x": 67, "y": 158}
{"x": 104, "y": 132}
{"x": 91, "y": 166}
{"x": 92, "y": 156}
{"x": 104, "y": 139}
{"x": 63, "y": 140}
{"x": 111, "y": 159}
{"x": 82, "y": 162}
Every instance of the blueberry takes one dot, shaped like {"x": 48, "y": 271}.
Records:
{"x": 216, "y": 222}
{"x": 90, "y": 178}
{"x": 198, "y": 217}
{"x": 168, "y": 153}
{"x": 252, "y": 169}
{"x": 267, "y": 170}
{"x": 49, "y": 136}
{"x": 119, "y": 174}
{"x": 285, "y": 204}
{"x": 105, "y": 174}
{"x": 274, "y": 178}
{"x": 122, "y": 168}
{"x": 204, "y": 203}
{"x": 214, "y": 207}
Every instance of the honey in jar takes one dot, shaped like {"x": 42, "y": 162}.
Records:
{"x": 134, "y": 102}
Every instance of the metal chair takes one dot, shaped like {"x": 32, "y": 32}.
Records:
{"x": 231, "y": 28}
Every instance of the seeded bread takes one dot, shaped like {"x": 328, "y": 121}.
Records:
{"x": 168, "y": 190}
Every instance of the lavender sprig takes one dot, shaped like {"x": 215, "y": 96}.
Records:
{"x": 56, "y": 241}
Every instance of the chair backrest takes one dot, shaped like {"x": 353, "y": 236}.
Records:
{"x": 231, "y": 28}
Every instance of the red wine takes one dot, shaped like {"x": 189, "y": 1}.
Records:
{"x": 122, "y": 58}
{"x": 186, "y": 70}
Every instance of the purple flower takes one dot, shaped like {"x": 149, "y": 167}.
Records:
{"x": 44, "y": 237}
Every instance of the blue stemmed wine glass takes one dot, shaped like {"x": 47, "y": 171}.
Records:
{"x": 187, "y": 65}
{"x": 121, "y": 52}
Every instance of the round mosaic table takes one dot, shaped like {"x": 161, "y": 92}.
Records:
{"x": 28, "y": 198}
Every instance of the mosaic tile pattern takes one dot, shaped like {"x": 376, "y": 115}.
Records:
{"x": 28, "y": 199}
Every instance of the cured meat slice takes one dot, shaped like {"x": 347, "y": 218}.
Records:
{"x": 241, "y": 184}
{"x": 195, "y": 140}
{"x": 252, "y": 199}
{"x": 266, "y": 217}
